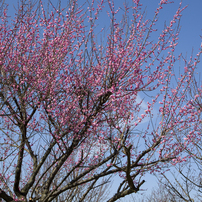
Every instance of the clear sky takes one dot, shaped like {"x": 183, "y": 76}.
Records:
{"x": 189, "y": 38}
{"x": 191, "y": 22}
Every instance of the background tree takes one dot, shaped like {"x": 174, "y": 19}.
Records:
{"x": 70, "y": 115}
{"x": 166, "y": 191}
{"x": 158, "y": 194}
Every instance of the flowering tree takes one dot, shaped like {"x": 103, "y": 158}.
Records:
{"x": 70, "y": 107}
{"x": 185, "y": 184}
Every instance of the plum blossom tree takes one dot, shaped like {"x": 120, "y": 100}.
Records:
{"x": 69, "y": 104}
{"x": 186, "y": 183}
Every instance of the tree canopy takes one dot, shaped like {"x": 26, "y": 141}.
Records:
{"x": 71, "y": 97}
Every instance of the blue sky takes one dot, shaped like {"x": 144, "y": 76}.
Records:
{"x": 189, "y": 38}
{"x": 191, "y": 22}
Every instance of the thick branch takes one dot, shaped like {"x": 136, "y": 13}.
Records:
{"x": 19, "y": 169}
{"x": 125, "y": 193}
{"x": 5, "y": 196}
